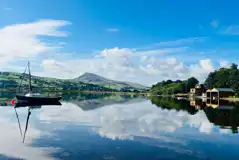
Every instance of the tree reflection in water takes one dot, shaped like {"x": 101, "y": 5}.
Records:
{"x": 171, "y": 103}
{"x": 221, "y": 113}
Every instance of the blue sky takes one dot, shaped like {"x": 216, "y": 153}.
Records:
{"x": 195, "y": 37}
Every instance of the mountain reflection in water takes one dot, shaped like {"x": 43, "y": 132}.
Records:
{"x": 96, "y": 126}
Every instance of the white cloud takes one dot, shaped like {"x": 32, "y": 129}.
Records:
{"x": 23, "y": 41}
{"x": 116, "y": 52}
{"x": 127, "y": 64}
{"x": 182, "y": 41}
{"x": 164, "y": 68}
{"x": 206, "y": 64}
{"x": 112, "y": 30}
{"x": 231, "y": 30}
{"x": 214, "y": 23}
{"x": 225, "y": 64}
{"x": 202, "y": 69}
{"x": 7, "y": 9}
{"x": 161, "y": 51}
{"x": 178, "y": 43}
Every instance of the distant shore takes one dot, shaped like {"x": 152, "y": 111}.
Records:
{"x": 82, "y": 91}
{"x": 235, "y": 99}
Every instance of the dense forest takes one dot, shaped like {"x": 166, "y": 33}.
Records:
{"x": 173, "y": 87}
{"x": 224, "y": 78}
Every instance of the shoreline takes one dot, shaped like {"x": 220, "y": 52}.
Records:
{"x": 81, "y": 91}
{"x": 231, "y": 99}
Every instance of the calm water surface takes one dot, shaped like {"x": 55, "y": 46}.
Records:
{"x": 120, "y": 127}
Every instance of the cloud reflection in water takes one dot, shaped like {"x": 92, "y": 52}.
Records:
{"x": 11, "y": 141}
{"x": 129, "y": 120}
{"x": 141, "y": 122}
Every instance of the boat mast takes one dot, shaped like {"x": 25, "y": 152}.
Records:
{"x": 30, "y": 84}
{"x": 19, "y": 125}
{"x": 28, "y": 116}
{"x": 18, "y": 90}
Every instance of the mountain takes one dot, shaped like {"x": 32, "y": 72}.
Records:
{"x": 86, "y": 82}
{"x": 91, "y": 78}
{"x": 10, "y": 80}
{"x": 108, "y": 83}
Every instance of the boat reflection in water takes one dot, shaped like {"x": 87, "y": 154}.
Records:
{"x": 220, "y": 112}
{"x": 31, "y": 106}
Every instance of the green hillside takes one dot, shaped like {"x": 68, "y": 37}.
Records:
{"x": 86, "y": 82}
{"x": 98, "y": 80}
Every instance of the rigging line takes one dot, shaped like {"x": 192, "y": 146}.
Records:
{"x": 19, "y": 125}
{"x": 28, "y": 116}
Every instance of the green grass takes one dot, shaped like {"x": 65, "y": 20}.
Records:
{"x": 13, "y": 79}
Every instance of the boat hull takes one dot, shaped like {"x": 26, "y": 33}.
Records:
{"x": 30, "y": 99}
{"x": 35, "y": 105}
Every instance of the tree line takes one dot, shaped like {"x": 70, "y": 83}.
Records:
{"x": 221, "y": 78}
{"x": 224, "y": 78}
{"x": 173, "y": 87}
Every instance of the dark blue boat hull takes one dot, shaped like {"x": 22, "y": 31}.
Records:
{"x": 22, "y": 98}
{"x": 27, "y": 104}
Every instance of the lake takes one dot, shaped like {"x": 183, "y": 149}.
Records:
{"x": 114, "y": 127}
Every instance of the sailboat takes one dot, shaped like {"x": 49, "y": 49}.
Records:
{"x": 31, "y": 97}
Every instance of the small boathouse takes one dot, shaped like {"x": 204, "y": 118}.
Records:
{"x": 217, "y": 93}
